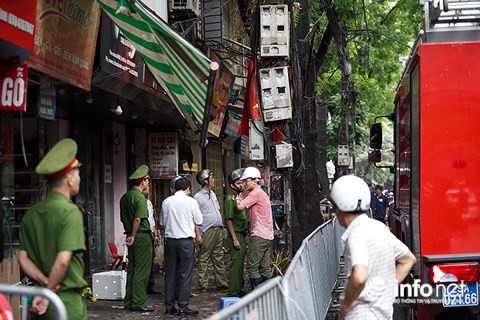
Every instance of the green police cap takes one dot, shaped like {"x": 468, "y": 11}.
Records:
{"x": 140, "y": 174}
{"x": 60, "y": 160}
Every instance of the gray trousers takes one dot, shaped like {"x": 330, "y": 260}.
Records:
{"x": 179, "y": 260}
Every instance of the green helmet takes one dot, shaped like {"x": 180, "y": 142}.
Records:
{"x": 235, "y": 175}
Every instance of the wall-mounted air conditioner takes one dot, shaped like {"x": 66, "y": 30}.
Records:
{"x": 192, "y": 6}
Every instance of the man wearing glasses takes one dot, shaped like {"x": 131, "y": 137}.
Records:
{"x": 261, "y": 227}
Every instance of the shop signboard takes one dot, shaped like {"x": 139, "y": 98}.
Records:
{"x": 13, "y": 81}
{"x": 65, "y": 40}
{"x": 17, "y": 22}
{"x": 163, "y": 155}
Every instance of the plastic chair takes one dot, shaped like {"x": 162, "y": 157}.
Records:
{"x": 117, "y": 259}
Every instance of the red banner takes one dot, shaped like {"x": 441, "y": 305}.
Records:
{"x": 250, "y": 108}
{"x": 17, "y": 22}
{"x": 13, "y": 81}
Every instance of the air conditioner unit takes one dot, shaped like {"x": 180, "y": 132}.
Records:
{"x": 192, "y": 6}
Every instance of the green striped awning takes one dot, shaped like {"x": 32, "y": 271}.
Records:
{"x": 179, "y": 68}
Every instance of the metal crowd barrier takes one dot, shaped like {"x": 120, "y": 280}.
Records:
{"x": 36, "y": 291}
{"x": 305, "y": 292}
{"x": 265, "y": 302}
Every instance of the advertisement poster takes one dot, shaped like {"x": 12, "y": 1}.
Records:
{"x": 233, "y": 124}
{"x": 65, "y": 40}
{"x": 215, "y": 126}
{"x": 118, "y": 56}
{"x": 223, "y": 86}
{"x": 163, "y": 155}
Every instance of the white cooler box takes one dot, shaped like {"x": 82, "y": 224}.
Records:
{"x": 109, "y": 285}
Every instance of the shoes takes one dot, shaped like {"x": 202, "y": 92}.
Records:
{"x": 143, "y": 309}
{"x": 222, "y": 287}
{"x": 187, "y": 312}
{"x": 172, "y": 311}
{"x": 153, "y": 291}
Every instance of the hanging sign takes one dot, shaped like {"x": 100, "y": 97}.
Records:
{"x": 47, "y": 99}
{"x": 13, "y": 81}
{"x": 163, "y": 155}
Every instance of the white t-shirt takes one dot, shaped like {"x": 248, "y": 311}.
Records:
{"x": 370, "y": 243}
{"x": 179, "y": 215}
{"x": 151, "y": 218}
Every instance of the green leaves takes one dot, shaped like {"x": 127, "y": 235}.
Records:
{"x": 379, "y": 33}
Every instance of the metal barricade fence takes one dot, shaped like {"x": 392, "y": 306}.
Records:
{"x": 305, "y": 291}
{"x": 266, "y": 302}
{"x": 36, "y": 291}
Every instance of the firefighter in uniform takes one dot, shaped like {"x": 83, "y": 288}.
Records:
{"x": 134, "y": 216}
{"x": 52, "y": 239}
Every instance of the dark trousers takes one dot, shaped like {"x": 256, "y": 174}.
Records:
{"x": 151, "y": 279}
{"x": 179, "y": 260}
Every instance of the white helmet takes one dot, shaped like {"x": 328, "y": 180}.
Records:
{"x": 350, "y": 194}
{"x": 251, "y": 172}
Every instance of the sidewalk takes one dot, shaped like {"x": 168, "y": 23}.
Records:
{"x": 206, "y": 303}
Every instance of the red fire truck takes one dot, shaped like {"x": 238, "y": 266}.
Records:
{"x": 437, "y": 162}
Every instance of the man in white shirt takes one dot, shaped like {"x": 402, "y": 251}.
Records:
{"x": 374, "y": 258}
{"x": 155, "y": 243}
{"x": 180, "y": 220}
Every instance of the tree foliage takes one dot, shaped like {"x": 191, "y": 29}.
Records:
{"x": 378, "y": 33}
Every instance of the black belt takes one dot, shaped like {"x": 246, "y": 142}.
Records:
{"x": 139, "y": 231}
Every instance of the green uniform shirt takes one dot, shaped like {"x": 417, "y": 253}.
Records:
{"x": 239, "y": 218}
{"x": 133, "y": 205}
{"x": 53, "y": 225}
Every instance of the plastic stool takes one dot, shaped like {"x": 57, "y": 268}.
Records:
{"x": 227, "y": 301}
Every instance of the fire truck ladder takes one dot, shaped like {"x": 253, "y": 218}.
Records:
{"x": 451, "y": 13}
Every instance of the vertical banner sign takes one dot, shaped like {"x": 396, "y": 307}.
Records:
{"x": 47, "y": 99}
{"x": 13, "y": 81}
{"x": 163, "y": 155}
{"x": 223, "y": 85}
{"x": 65, "y": 40}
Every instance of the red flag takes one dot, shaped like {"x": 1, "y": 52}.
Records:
{"x": 251, "y": 108}
{"x": 276, "y": 130}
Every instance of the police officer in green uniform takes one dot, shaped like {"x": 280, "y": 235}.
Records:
{"x": 52, "y": 239}
{"x": 134, "y": 216}
{"x": 237, "y": 225}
